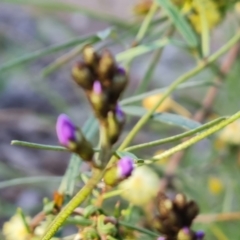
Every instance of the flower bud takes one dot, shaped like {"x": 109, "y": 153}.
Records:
{"x": 115, "y": 124}
{"x": 192, "y": 211}
{"x": 118, "y": 84}
{"x": 89, "y": 233}
{"x": 72, "y": 138}
{"x": 106, "y": 66}
{"x": 119, "y": 172}
{"x": 161, "y": 238}
{"x": 82, "y": 76}
{"x": 184, "y": 234}
{"x": 98, "y": 100}
{"x": 180, "y": 201}
{"x": 90, "y": 57}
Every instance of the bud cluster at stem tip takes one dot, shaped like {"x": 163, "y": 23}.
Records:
{"x": 103, "y": 82}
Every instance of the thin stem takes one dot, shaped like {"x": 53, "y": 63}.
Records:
{"x": 74, "y": 203}
{"x": 150, "y": 71}
{"x": 197, "y": 138}
{"x": 172, "y": 87}
{"x": 142, "y": 230}
{"x": 139, "y": 97}
{"x": 176, "y": 137}
{"x": 218, "y": 217}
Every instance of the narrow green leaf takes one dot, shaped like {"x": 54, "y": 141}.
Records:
{"x": 70, "y": 176}
{"x": 142, "y": 49}
{"x": 179, "y": 21}
{"x": 29, "y": 180}
{"x": 168, "y": 118}
{"x": 64, "y": 6}
{"x": 91, "y": 39}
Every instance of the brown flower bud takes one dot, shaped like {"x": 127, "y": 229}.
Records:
{"x": 180, "y": 201}
{"x": 106, "y": 66}
{"x": 83, "y": 76}
{"x": 118, "y": 84}
{"x": 90, "y": 57}
{"x": 192, "y": 210}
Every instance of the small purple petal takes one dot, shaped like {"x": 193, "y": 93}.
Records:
{"x": 65, "y": 129}
{"x": 121, "y": 71}
{"x": 97, "y": 88}
{"x": 186, "y": 230}
{"x": 119, "y": 113}
{"x": 161, "y": 238}
{"x": 199, "y": 235}
{"x": 125, "y": 167}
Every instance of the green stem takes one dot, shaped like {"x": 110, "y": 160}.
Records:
{"x": 142, "y": 230}
{"x": 174, "y": 85}
{"x": 150, "y": 71}
{"x": 176, "y": 137}
{"x": 74, "y": 203}
{"x": 139, "y": 97}
{"x": 197, "y": 138}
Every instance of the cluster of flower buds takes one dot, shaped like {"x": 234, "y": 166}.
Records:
{"x": 72, "y": 138}
{"x": 101, "y": 227}
{"x": 103, "y": 81}
{"x": 176, "y": 217}
{"x": 122, "y": 170}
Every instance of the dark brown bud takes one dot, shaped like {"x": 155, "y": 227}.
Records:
{"x": 118, "y": 84}
{"x": 192, "y": 210}
{"x": 106, "y": 66}
{"x": 83, "y": 76}
{"x": 165, "y": 207}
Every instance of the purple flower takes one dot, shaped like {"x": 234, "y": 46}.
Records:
{"x": 199, "y": 235}
{"x": 66, "y": 130}
{"x": 161, "y": 238}
{"x": 125, "y": 167}
{"x": 97, "y": 88}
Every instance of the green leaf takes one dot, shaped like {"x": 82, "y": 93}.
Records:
{"x": 64, "y": 6}
{"x": 70, "y": 176}
{"x": 90, "y": 39}
{"x": 168, "y": 118}
{"x": 29, "y": 180}
{"x": 180, "y": 22}
{"x": 142, "y": 49}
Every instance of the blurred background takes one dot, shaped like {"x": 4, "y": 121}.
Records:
{"x": 31, "y": 99}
